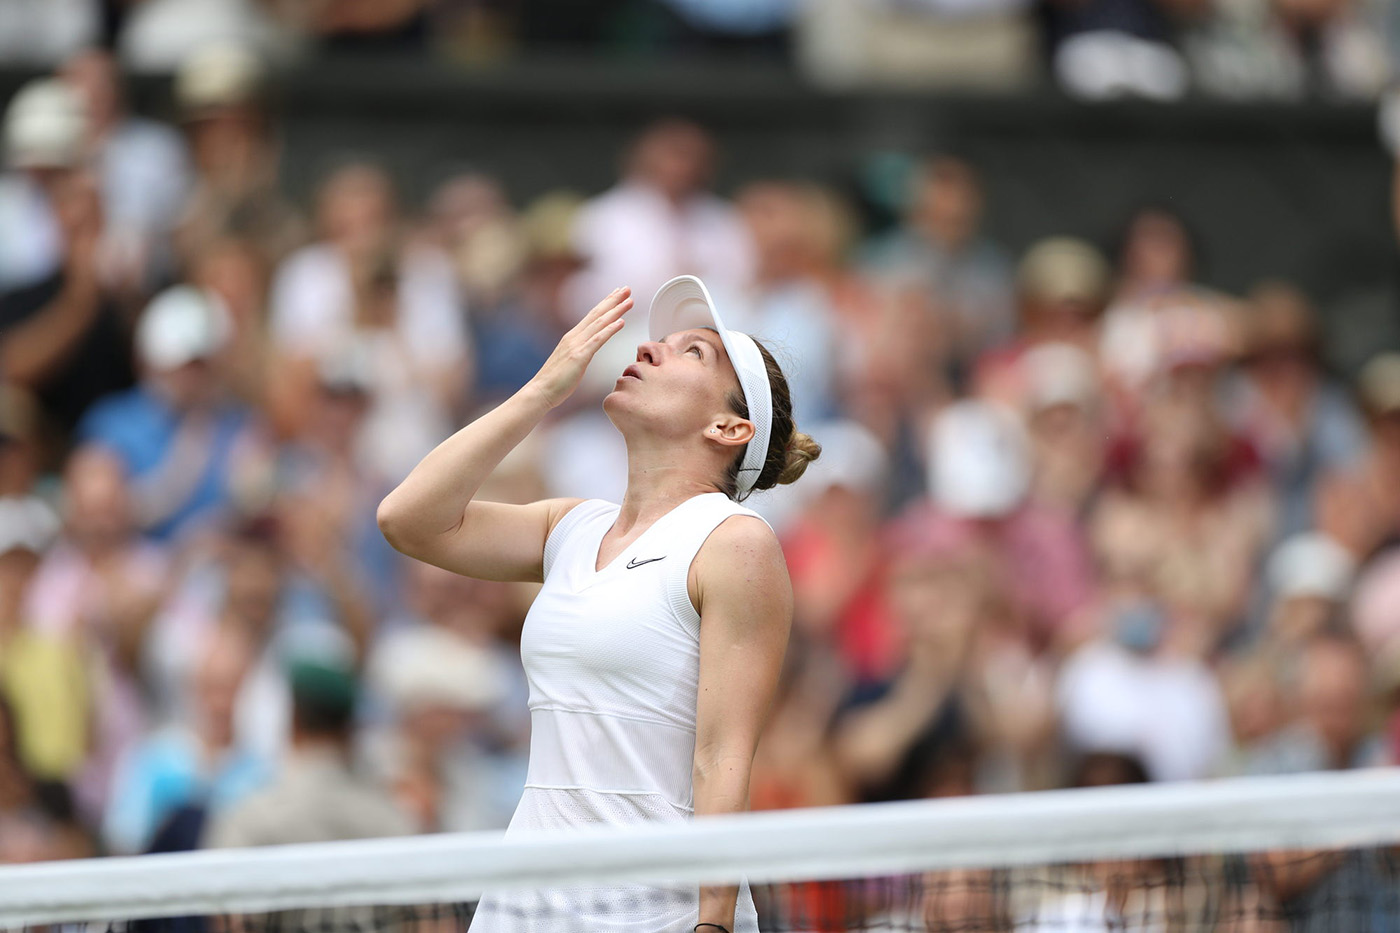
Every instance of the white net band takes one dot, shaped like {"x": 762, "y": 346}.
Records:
{"x": 1354, "y": 810}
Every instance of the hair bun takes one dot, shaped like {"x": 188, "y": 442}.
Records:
{"x": 801, "y": 450}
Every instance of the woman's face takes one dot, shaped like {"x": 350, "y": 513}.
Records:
{"x": 677, "y": 387}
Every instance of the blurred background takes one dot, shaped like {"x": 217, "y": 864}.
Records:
{"x": 1093, "y": 304}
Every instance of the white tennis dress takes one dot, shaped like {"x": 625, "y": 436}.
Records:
{"x": 613, "y": 661}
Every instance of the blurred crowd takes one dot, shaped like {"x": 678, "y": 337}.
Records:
{"x": 1159, "y": 49}
{"x": 1080, "y": 518}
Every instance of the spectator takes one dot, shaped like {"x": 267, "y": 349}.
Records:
{"x": 1253, "y": 686}
{"x": 191, "y": 771}
{"x": 363, "y": 282}
{"x": 443, "y": 691}
{"x": 325, "y": 491}
{"x": 92, "y": 599}
{"x": 795, "y": 765}
{"x": 1104, "y": 895}
{"x": 256, "y": 579}
{"x": 1157, "y": 262}
{"x": 515, "y": 333}
{"x": 235, "y": 272}
{"x": 892, "y": 734}
{"x": 487, "y": 616}
{"x": 1188, "y": 510}
{"x": 36, "y": 819}
{"x": 142, "y": 168}
{"x": 44, "y": 129}
{"x": 831, "y": 539}
{"x": 1303, "y": 425}
{"x": 61, "y": 336}
{"x": 1331, "y": 723}
{"x": 658, "y": 221}
{"x": 789, "y": 304}
{"x": 1157, "y": 255}
{"x": 1065, "y": 419}
{"x": 1062, "y": 285}
{"x": 941, "y": 247}
{"x": 1331, "y": 730}
{"x": 1309, "y": 577}
{"x": 41, "y": 678}
{"x": 179, "y": 433}
{"x": 979, "y": 478}
{"x": 220, "y": 93}
{"x": 317, "y": 797}
{"x": 472, "y": 221}
{"x": 1361, "y": 504}
{"x": 1128, "y": 691}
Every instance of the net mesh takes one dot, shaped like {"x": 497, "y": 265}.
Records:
{"x": 1320, "y": 853}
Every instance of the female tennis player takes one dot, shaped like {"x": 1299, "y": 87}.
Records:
{"x": 654, "y": 647}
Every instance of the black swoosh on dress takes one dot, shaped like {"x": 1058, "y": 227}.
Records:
{"x": 633, "y": 564}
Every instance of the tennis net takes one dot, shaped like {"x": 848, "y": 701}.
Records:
{"x": 1304, "y": 853}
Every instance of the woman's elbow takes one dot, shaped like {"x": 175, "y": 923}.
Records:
{"x": 392, "y": 521}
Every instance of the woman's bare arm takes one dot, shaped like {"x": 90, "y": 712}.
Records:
{"x": 740, "y": 585}
{"x": 431, "y": 515}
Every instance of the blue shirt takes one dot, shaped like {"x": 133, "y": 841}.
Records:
{"x": 166, "y": 772}
{"x": 141, "y": 428}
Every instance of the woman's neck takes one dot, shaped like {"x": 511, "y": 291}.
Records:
{"x": 660, "y": 480}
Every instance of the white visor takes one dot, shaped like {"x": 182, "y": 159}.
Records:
{"x": 684, "y": 304}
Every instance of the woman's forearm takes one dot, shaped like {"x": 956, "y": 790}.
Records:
{"x": 721, "y": 786}
{"x": 433, "y": 498}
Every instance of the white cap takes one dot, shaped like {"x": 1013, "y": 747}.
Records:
{"x": 430, "y": 666}
{"x": 852, "y": 457}
{"x": 979, "y": 460}
{"x": 1311, "y": 564}
{"x": 45, "y": 125}
{"x": 683, "y": 304}
{"x": 217, "y": 76}
{"x": 180, "y": 325}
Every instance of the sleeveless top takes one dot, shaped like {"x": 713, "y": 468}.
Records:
{"x": 613, "y": 661}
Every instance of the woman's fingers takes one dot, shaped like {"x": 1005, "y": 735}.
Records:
{"x": 604, "y": 334}
{"x": 611, "y": 314}
{"x": 609, "y": 303}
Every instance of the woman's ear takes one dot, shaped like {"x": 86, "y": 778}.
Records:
{"x": 731, "y": 432}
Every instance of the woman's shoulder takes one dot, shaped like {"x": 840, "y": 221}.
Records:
{"x": 741, "y": 538}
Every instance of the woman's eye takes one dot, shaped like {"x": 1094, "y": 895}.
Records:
{"x": 695, "y": 350}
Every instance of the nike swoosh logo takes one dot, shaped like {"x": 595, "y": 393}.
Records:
{"x": 633, "y": 564}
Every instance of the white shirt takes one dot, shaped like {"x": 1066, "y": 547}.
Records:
{"x": 613, "y": 661}
{"x": 31, "y": 244}
{"x": 312, "y": 313}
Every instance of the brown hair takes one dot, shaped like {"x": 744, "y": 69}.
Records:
{"x": 789, "y": 450}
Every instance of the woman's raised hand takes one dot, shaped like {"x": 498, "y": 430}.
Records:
{"x": 562, "y": 372}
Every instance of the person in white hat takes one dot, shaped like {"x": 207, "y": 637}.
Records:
{"x": 654, "y": 648}
{"x": 43, "y": 134}
{"x": 178, "y": 431}
{"x": 62, "y": 336}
